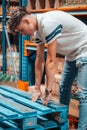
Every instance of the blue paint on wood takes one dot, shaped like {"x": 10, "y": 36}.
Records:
{"x": 31, "y": 115}
{"x": 20, "y": 108}
{"x": 26, "y": 101}
{"x": 49, "y": 124}
{"x": 2, "y": 117}
{"x": 8, "y": 113}
{"x": 17, "y": 91}
{"x": 55, "y": 106}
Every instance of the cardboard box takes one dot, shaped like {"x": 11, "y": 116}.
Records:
{"x": 74, "y": 108}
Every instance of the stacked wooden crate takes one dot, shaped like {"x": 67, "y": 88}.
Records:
{"x": 18, "y": 112}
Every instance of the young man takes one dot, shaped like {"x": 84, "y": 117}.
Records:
{"x": 63, "y": 34}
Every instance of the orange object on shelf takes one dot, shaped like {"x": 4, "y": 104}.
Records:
{"x": 26, "y": 52}
{"x": 28, "y": 43}
{"x": 23, "y": 85}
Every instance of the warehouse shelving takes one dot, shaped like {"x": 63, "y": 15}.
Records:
{"x": 37, "y": 6}
{"x": 23, "y": 60}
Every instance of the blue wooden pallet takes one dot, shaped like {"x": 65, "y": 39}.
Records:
{"x": 18, "y": 112}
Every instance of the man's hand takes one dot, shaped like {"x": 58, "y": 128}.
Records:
{"x": 36, "y": 94}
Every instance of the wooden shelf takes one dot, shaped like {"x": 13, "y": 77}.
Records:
{"x": 64, "y": 8}
{"x": 77, "y": 8}
{"x": 46, "y": 4}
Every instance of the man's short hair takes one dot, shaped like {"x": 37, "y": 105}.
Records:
{"x": 15, "y": 18}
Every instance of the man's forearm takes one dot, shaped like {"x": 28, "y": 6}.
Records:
{"x": 50, "y": 72}
{"x": 39, "y": 67}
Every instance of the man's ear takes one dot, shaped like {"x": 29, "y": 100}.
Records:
{"x": 25, "y": 20}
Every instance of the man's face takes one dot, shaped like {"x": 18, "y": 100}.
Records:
{"x": 25, "y": 27}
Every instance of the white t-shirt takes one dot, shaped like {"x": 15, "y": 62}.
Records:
{"x": 70, "y": 32}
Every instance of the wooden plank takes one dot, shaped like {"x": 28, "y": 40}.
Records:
{"x": 27, "y": 102}
{"x": 56, "y": 106}
{"x": 40, "y": 4}
{"x": 28, "y": 123}
{"x": 31, "y": 5}
{"x": 25, "y": 121}
{"x": 16, "y": 91}
{"x": 49, "y": 124}
{"x": 17, "y": 107}
{"x": 8, "y": 125}
{"x": 63, "y": 8}
{"x": 19, "y": 101}
{"x": 49, "y": 4}
{"x": 2, "y": 117}
{"x": 39, "y": 128}
{"x": 20, "y": 114}
{"x": 8, "y": 113}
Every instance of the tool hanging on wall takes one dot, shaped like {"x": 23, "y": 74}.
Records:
{"x": 12, "y": 59}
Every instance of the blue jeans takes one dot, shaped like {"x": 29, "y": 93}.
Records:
{"x": 72, "y": 69}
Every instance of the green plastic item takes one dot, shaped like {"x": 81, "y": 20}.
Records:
{"x": 7, "y": 78}
{"x": 1, "y": 74}
{"x": 2, "y": 77}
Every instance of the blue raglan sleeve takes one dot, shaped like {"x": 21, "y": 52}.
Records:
{"x": 51, "y": 28}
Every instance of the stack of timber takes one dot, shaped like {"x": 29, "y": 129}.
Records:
{"x": 18, "y": 112}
